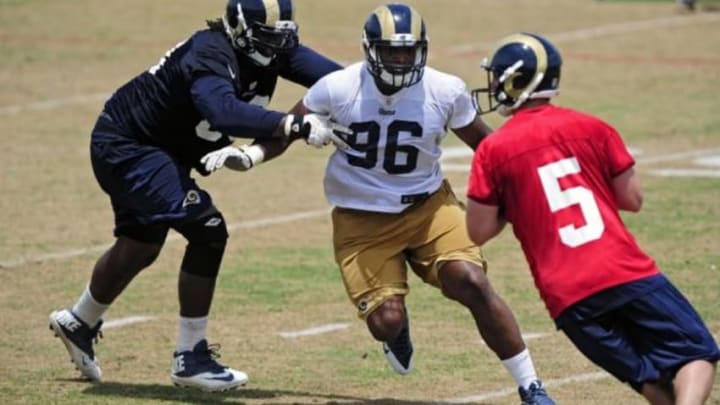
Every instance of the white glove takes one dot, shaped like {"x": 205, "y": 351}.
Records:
{"x": 318, "y": 130}
{"x": 240, "y": 158}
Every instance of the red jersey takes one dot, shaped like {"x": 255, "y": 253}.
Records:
{"x": 549, "y": 170}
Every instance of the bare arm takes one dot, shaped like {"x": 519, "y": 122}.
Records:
{"x": 627, "y": 190}
{"x": 483, "y": 222}
{"x": 473, "y": 133}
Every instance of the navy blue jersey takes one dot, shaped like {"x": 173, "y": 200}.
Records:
{"x": 203, "y": 92}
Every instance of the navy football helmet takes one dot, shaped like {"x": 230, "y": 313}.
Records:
{"x": 261, "y": 29}
{"x": 522, "y": 67}
{"x": 395, "y": 45}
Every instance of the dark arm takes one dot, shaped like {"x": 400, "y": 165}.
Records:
{"x": 473, "y": 133}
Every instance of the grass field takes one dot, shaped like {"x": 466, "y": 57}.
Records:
{"x": 643, "y": 66}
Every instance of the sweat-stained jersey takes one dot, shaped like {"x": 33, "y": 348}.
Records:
{"x": 549, "y": 170}
{"x": 188, "y": 104}
{"x": 397, "y": 138}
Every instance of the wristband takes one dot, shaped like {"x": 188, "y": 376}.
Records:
{"x": 256, "y": 153}
{"x": 294, "y": 125}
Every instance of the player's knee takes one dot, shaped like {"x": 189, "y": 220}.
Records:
{"x": 134, "y": 255}
{"x": 206, "y": 238}
{"x": 464, "y": 282}
{"x": 137, "y": 246}
{"x": 387, "y": 320}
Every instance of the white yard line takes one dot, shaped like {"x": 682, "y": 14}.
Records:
{"x": 513, "y": 391}
{"x": 603, "y": 31}
{"x": 120, "y": 322}
{"x": 315, "y": 330}
{"x": 697, "y": 173}
{"x": 54, "y": 103}
{"x": 569, "y": 36}
{"x": 68, "y": 254}
{"x": 258, "y": 223}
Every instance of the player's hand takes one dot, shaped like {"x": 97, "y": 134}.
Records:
{"x": 230, "y": 156}
{"x": 318, "y": 130}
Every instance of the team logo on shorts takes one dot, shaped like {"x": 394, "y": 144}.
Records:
{"x": 192, "y": 197}
{"x": 363, "y": 305}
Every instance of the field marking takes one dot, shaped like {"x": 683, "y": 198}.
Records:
{"x": 559, "y": 37}
{"x": 117, "y": 323}
{"x": 316, "y": 330}
{"x": 703, "y": 173}
{"x": 54, "y": 103}
{"x": 513, "y": 391}
{"x": 67, "y": 254}
{"x": 703, "y": 157}
{"x": 599, "y": 31}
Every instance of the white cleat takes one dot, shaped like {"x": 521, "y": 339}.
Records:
{"x": 78, "y": 339}
{"x": 198, "y": 369}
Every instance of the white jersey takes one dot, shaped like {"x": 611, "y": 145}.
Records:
{"x": 397, "y": 138}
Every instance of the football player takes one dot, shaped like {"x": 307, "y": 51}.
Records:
{"x": 152, "y": 132}
{"x": 393, "y": 206}
{"x": 560, "y": 176}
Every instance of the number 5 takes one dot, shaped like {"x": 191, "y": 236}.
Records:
{"x": 558, "y": 199}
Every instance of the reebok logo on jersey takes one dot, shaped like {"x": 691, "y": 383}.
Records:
{"x": 192, "y": 197}
{"x": 383, "y": 111}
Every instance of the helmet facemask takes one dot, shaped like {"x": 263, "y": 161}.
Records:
{"x": 259, "y": 41}
{"x": 397, "y": 63}
{"x": 524, "y": 67}
{"x": 395, "y": 45}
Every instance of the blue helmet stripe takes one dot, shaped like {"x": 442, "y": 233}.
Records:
{"x": 372, "y": 27}
{"x": 403, "y": 24}
{"x": 286, "y": 9}
{"x": 255, "y": 11}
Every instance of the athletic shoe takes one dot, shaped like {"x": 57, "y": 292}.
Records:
{"x": 399, "y": 353}
{"x": 78, "y": 338}
{"x": 198, "y": 369}
{"x": 535, "y": 394}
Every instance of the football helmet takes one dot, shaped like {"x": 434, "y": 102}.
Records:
{"x": 522, "y": 67}
{"x": 395, "y": 45}
{"x": 261, "y": 29}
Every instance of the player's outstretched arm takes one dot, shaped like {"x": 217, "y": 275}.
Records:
{"x": 317, "y": 130}
{"x": 473, "y": 133}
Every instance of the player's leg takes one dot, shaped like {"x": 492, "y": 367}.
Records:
{"x": 444, "y": 256}
{"x": 466, "y": 282}
{"x": 609, "y": 341}
{"x": 204, "y": 228}
{"x": 116, "y": 163}
{"x": 693, "y": 382}
{"x": 677, "y": 341}
{"x": 369, "y": 251}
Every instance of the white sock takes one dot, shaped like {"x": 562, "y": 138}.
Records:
{"x": 521, "y": 367}
{"x": 192, "y": 330}
{"x": 88, "y": 309}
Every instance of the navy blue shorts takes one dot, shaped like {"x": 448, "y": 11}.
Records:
{"x": 149, "y": 190}
{"x": 645, "y": 339}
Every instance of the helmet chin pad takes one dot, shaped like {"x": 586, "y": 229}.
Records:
{"x": 258, "y": 58}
